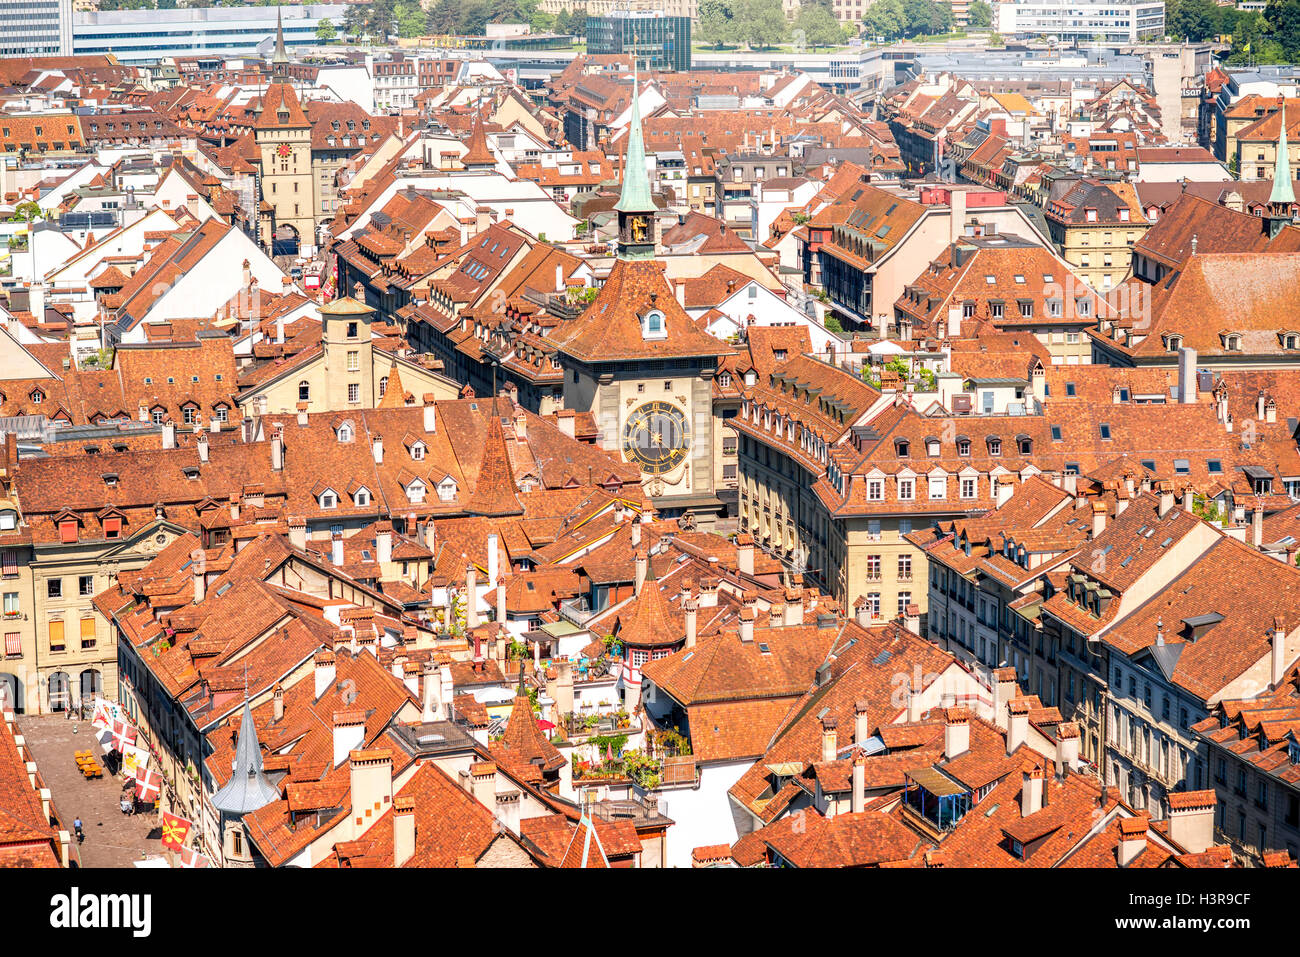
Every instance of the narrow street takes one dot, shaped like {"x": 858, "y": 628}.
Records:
{"x": 113, "y": 839}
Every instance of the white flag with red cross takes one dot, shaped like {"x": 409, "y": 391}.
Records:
{"x": 189, "y": 857}
{"x": 147, "y": 784}
{"x": 123, "y": 734}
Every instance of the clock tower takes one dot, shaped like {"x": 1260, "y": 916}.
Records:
{"x": 639, "y": 363}
{"x": 282, "y": 134}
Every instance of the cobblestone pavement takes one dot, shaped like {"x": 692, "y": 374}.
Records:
{"x": 113, "y": 839}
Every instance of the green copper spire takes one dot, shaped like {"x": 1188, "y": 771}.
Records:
{"x": 635, "y": 197}
{"x": 1283, "y": 189}
{"x": 280, "y": 59}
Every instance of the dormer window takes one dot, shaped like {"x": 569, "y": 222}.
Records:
{"x": 417, "y": 451}
{"x": 995, "y": 446}
{"x": 415, "y": 491}
{"x": 1232, "y": 343}
{"x": 653, "y": 325}
{"x": 902, "y": 448}
{"x": 447, "y": 490}
{"x": 362, "y": 497}
{"x": 328, "y": 499}
{"x": 724, "y": 379}
{"x": 345, "y": 433}
{"x": 963, "y": 448}
{"x": 1290, "y": 340}
{"x": 8, "y": 520}
{"x": 37, "y": 396}
{"x": 1026, "y": 445}
{"x": 1174, "y": 343}
{"x": 932, "y": 448}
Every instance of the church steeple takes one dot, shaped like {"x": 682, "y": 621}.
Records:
{"x": 280, "y": 60}
{"x": 635, "y": 207}
{"x": 248, "y": 789}
{"x": 1281, "y": 200}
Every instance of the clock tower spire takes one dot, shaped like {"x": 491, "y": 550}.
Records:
{"x": 636, "y": 209}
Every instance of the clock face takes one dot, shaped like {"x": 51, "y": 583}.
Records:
{"x": 656, "y": 437}
{"x": 285, "y": 149}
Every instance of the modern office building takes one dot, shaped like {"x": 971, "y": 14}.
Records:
{"x": 134, "y": 35}
{"x": 35, "y": 27}
{"x": 1113, "y": 21}
{"x": 660, "y": 41}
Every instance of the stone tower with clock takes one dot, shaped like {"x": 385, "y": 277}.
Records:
{"x": 641, "y": 366}
{"x": 282, "y": 134}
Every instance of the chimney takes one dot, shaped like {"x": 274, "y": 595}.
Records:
{"x": 1270, "y": 411}
{"x": 858, "y": 800}
{"x": 914, "y": 699}
{"x": 690, "y": 606}
{"x": 745, "y": 554}
{"x": 566, "y": 420}
{"x": 324, "y": 672}
{"x": 1098, "y": 519}
{"x": 471, "y": 595}
{"x": 501, "y": 602}
{"x": 521, "y": 425}
{"x": 642, "y": 561}
{"x": 1277, "y": 647}
{"x": 349, "y": 734}
{"x": 169, "y": 432}
{"x": 1070, "y": 483}
{"x": 1031, "y": 792}
{"x": 430, "y": 416}
{"x": 862, "y": 612}
{"x": 1004, "y": 689}
{"x": 1191, "y": 820}
{"x": 747, "y": 623}
{"x": 430, "y": 534}
{"x": 248, "y": 274}
{"x": 912, "y": 618}
{"x": 1259, "y": 406}
{"x": 336, "y": 549}
{"x": 377, "y": 445}
{"x": 445, "y": 689}
{"x": 830, "y": 748}
{"x": 956, "y": 733}
{"x": 277, "y": 452}
{"x": 279, "y": 328}
{"x": 1257, "y": 523}
{"x": 1166, "y": 498}
{"x": 564, "y": 699}
{"x": 957, "y": 216}
{"x": 201, "y": 443}
{"x": 492, "y": 559}
{"x": 1132, "y": 838}
{"x": 302, "y": 414}
{"x": 483, "y": 784}
{"x": 384, "y": 543}
{"x": 277, "y": 702}
{"x": 371, "y": 774}
{"x": 430, "y": 704}
{"x": 200, "y": 581}
{"x": 861, "y": 724}
{"x": 636, "y": 534}
{"x": 1017, "y": 723}
{"x": 403, "y": 829}
{"x": 298, "y": 532}
{"x": 1189, "y": 499}
{"x": 1067, "y": 748}
{"x": 954, "y": 322}
{"x": 1187, "y": 386}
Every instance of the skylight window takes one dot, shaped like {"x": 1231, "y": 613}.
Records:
{"x": 1167, "y": 542}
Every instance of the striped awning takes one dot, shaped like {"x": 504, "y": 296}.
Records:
{"x": 13, "y": 643}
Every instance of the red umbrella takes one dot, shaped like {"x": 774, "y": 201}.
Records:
{"x": 544, "y": 724}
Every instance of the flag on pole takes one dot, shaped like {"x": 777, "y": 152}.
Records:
{"x": 191, "y": 858}
{"x": 147, "y": 784}
{"x": 123, "y": 734}
{"x": 174, "y": 831}
{"x": 133, "y": 759}
{"x": 103, "y": 717}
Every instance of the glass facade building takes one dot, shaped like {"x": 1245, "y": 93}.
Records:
{"x": 660, "y": 42}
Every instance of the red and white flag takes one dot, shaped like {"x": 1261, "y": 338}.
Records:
{"x": 103, "y": 717}
{"x": 174, "y": 831}
{"x": 147, "y": 784}
{"x": 123, "y": 734}
{"x": 189, "y": 857}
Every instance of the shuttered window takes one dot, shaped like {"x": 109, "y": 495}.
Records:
{"x": 56, "y": 636}
{"x": 13, "y": 643}
{"x": 68, "y": 531}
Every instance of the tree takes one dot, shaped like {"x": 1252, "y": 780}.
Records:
{"x": 325, "y": 32}
{"x": 979, "y": 14}
{"x": 713, "y": 24}
{"x": 995, "y": 40}
{"x": 885, "y": 19}
{"x": 410, "y": 19}
{"x": 354, "y": 20}
{"x": 926, "y": 16}
{"x": 443, "y": 17}
{"x": 1283, "y": 19}
{"x": 474, "y": 15}
{"x": 819, "y": 26}
{"x": 760, "y": 23}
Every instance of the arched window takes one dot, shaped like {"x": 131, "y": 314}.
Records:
{"x": 304, "y": 391}
{"x": 383, "y": 386}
